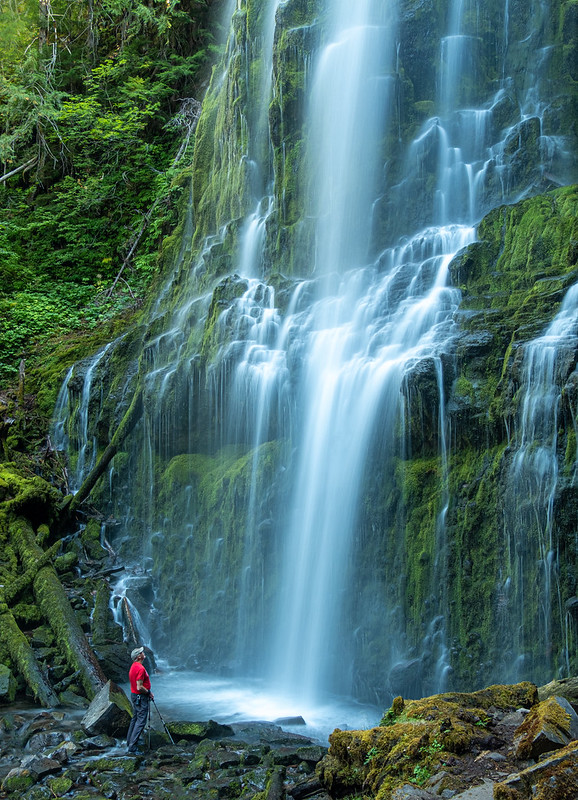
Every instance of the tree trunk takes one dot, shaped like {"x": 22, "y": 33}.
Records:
{"x": 55, "y": 606}
{"x": 23, "y": 657}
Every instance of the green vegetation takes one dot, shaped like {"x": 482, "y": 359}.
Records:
{"x": 98, "y": 104}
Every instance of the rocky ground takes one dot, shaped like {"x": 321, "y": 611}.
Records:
{"x": 503, "y": 743}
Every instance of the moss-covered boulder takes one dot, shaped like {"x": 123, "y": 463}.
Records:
{"x": 550, "y": 725}
{"x": 552, "y": 778}
{"x": 7, "y": 685}
{"x": 197, "y": 731}
{"x": 416, "y": 739}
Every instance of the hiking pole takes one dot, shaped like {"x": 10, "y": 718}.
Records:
{"x": 162, "y": 720}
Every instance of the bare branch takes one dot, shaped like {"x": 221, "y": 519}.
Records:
{"x": 21, "y": 168}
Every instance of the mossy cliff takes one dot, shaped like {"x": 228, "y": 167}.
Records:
{"x": 513, "y": 280}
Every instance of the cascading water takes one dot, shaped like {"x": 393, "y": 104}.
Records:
{"x": 75, "y": 411}
{"x": 279, "y": 418}
{"x": 531, "y": 547}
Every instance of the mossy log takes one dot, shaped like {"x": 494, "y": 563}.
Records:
{"x": 19, "y": 584}
{"x": 132, "y": 416}
{"x": 23, "y": 657}
{"x": 55, "y": 606}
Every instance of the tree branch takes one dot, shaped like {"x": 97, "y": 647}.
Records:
{"x": 22, "y": 167}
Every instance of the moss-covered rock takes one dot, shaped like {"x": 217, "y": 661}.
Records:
{"x": 553, "y": 778}
{"x": 7, "y": 685}
{"x": 417, "y": 738}
{"x": 550, "y": 725}
{"x": 197, "y": 731}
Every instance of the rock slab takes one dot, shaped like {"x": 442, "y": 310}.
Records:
{"x": 109, "y": 712}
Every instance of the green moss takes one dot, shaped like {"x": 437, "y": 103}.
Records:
{"x": 215, "y": 491}
{"x": 65, "y": 562}
{"x": 420, "y": 482}
{"x": 548, "y": 713}
{"x": 18, "y": 784}
{"x": 90, "y": 538}
{"x": 570, "y": 454}
{"x": 126, "y": 765}
{"x": 28, "y": 613}
{"x": 223, "y": 295}
{"x": 417, "y": 737}
{"x": 60, "y": 786}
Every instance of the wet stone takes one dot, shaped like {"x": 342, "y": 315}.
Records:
{"x": 38, "y": 793}
{"x": 290, "y": 721}
{"x": 40, "y": 765}
{"x": 305, "y": 788}
{"x": 41, "y": 741}
{"x": 63, "y": 751}
{"x": 101, "y": 742}
{"x": 18, "y": 780}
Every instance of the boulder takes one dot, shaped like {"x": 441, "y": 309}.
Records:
{"x": 43, "y": 739}
{"x": 305, "y": 788}
{"x": 63, "y": 752}
{"x": 7, "y": 685}
{"x": 72, "y": 699}
{"x": 40, "y": 765}
{"x": 565, "y": 687}
{"x": 197, "y": 731}
{"x": 289, "y": 721}
{"x": 275, "y": 789}
{"x": 550, "y": 725}
{"x": 100, "y": 742}
{"x": 553, "y": 776}
{"x": 18, "y": 780}
{"x": 109, "y": 712}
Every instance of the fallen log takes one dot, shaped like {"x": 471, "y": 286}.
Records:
{"x": 23, "y": 657}
{"x": 72, "y": 503}
{"x": 19, "y": 584}
{"x": 53, "y": 602}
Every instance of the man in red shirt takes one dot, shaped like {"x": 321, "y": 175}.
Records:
{"x": 141, "y": 695}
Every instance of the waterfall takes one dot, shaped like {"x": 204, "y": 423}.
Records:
{"x": 531, "y": 542}
{"x": 71, "y": 431}
{"x": 296, "y": 372}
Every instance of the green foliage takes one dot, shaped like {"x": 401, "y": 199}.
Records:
{"x": 96, "y": 135}
{"x": 435, "y": 746}
{"x": 37, "y": 315}
{"x": 420, "y": 774}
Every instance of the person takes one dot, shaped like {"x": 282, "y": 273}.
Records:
{"x": 141, "y": 695}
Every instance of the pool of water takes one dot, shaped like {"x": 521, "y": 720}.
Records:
{"x": 195, "y": 696}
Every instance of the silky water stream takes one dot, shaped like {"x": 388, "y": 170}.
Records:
{"x": 324, "y": 372}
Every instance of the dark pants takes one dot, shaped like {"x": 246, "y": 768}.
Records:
{"x": 140, "y": 704}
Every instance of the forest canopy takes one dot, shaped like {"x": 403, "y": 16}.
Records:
{"x": 98, "y": 105}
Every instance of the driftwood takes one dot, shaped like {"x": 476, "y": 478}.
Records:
{"x": 52, "y": 599}
{"x": 23, "y": 657}
{"x": 132, "y": 416}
